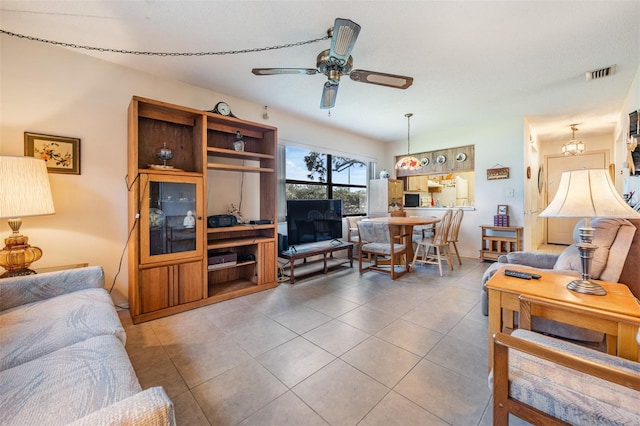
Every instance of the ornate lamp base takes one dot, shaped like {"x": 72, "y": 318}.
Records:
{"x": 586, "y": 250}
{"x": 587, "y": 287}
{"x": 18, "y": 255}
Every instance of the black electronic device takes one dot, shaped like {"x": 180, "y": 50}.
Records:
{"x": 283, "y": 243}
{"x": 309, "y": 221}
{"x": 221, "y": 220}
{"x": 412, "y": 200}
{"x": 521, "y": 275}
{"x": 246, "y": 257}
{"x": 260, "y": 222}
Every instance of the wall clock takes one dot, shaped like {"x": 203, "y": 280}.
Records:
{"x": 424, "y": 161}
{"x": 461, "y": 157}
{"x": 441, "y": 159}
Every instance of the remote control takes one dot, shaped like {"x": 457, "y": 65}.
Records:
{"x": 518, "y": 274}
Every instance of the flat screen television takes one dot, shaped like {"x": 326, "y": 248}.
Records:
{"x": 310, "y": 221}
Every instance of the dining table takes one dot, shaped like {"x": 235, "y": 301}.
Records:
{"x": 406, "y": 224}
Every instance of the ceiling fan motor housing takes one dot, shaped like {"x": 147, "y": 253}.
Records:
{"x": 333, "y": 67}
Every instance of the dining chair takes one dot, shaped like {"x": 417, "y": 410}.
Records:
{"x": 454, "y": 229}
{"x": 385, "y": 246}
{"x": 438, "y": 243}
{"x": 352, "y": 232}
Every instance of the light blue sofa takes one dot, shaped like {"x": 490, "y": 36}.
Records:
{"x": 62, "y": 356}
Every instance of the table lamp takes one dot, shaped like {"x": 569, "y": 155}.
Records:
{"x": 24, "y": 191}
{"x": 587, "y": 193}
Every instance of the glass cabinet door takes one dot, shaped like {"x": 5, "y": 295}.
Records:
{"x": 171, "y": 221}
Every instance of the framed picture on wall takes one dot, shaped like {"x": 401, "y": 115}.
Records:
{"x": 62, "y": 154}
{"x": 498, "y": 173}
{"x": 503, "y": 209}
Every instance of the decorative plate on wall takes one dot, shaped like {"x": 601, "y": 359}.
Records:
{"x": 441, "y": 159}
{"x": 461, "y": 157}
{"x": 424, "y": 161}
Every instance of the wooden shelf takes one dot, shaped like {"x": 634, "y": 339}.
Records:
{"x": 235, "y": 265}
{"x": 232, "y": 242}
{"x": 245, "y": 155}
{"x": 500, "y": 240}
{"x": 238, "y": 168}
{"x": 239, "y": 228}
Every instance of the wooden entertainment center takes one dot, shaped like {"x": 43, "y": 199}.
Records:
{"x": 171, "y": 242}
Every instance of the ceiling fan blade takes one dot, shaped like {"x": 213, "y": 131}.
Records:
{"x": 276, "y": 71}
{"x": 329, "y": 94}
{"x": 345, "y": 33}
{"x": 382, "y": 79}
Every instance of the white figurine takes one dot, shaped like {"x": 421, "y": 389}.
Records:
{"x": 189, "y": 220}
{"x": 235, "y": 211}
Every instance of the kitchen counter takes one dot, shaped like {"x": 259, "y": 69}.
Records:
{"x": 466, "y": 208}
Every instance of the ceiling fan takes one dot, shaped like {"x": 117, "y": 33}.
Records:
{"x": 337, "y": 61}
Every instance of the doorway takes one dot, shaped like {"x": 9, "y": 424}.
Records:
{"x": 560, "y": 231}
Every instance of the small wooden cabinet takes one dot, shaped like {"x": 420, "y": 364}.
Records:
{"x": 171, "y": 241}
{"x": 499, "y": 240}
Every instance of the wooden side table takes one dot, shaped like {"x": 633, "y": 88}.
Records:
{"x": 499, "y": 240}
{"x": 617, "y": 314}
{"x": 60, "y": 267}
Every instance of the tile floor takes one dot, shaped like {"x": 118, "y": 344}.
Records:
{"x": 341, "y": 349}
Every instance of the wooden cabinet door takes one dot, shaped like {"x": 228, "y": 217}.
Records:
{"x": 189, "y": 282}
{"x": 172, "y": 224}
{"x": 154, "y": 288}
{"x": 267, "y": 263}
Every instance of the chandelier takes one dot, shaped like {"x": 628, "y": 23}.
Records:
{"x": 574, "y": 146}
{"x": 408, "y": 162}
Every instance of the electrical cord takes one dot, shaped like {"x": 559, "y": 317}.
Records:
{"x": 133, "y": 227}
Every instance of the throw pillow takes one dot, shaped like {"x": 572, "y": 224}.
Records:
{"x": 569, "y": 259}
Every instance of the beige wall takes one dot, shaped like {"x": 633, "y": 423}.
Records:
{"x": 498, "y": 142}
{"x": 56, "y": 91}
{"x": 61, "y": 92}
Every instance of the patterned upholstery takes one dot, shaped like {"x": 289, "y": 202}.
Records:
{"x": 62, "y": 356}
{"x": 377, "y": 239}
{"x": 39, "y": 328}
{"x": 569, "y": 395}
{"x": 76, "y": 379}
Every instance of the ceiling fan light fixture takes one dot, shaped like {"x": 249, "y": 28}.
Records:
{"x": 408, "y": 162}
{"x": 573, "y": 147}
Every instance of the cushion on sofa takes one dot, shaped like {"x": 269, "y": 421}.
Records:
{"x": 151, "y": 407}
{"x": 25, "y": 289}
{"x": 604, "y": 236}
{"x": 36, "y": 329}
{"x": 68, "y": 384}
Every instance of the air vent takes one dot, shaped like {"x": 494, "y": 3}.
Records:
{"x": 601, "y": 73}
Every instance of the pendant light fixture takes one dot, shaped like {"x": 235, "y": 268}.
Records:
{"x": 408, "y": 162}
{"x": 574, "y": 146}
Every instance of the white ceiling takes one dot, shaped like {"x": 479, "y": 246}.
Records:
{"x": 472, "y": 61}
